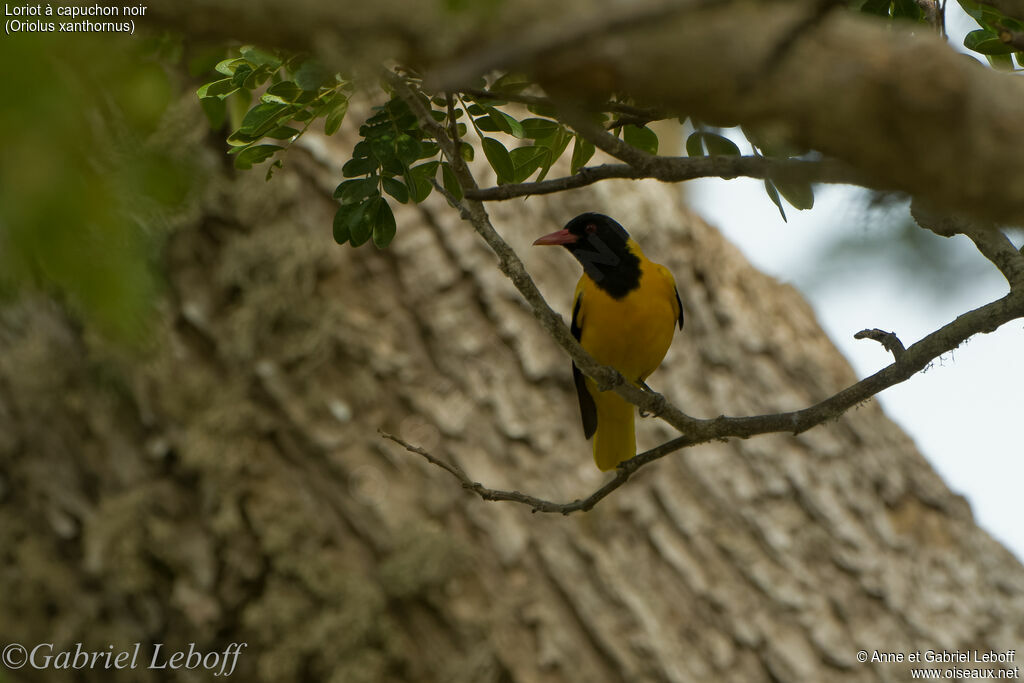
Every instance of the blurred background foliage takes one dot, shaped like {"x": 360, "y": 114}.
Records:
{"x": 90, "y": 177}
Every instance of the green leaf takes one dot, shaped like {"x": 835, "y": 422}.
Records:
{"x": 773, "y": 194}
{"x": 641, "y": 137}
{"x": 986, "y": 15}
{"x": 358, "y": 167}
{"x": 239, "y": 139}
{"x": 505, "y": 123}
{"x": 254, "y": 155}
{"x": 429, "y": 150}
{"x": 450, "y": 180}
{"x": 486, "y": 124}
{"x": 716, "y": 145}
{"x": 260, "y": 57}
{"x": 466, "y": 151}
{"x": 355, "y": 191}
{"x": 526, "y": 160}
{"x": 1000, "y": 62}
{"x": 421, "y": 187}
{"x": 261, "y": 116}
{"x": 556, "y": 147}
{"x": 219, "y": 89}
{"x": 581, "y": 153}
{"x": 539, "y": 129}
{"x": 241, "y": 73}
{"x": 499, "y": 159}
{"x": 543, "y": 110}
{"x": 230, "y": 65}
{"x": 341, "y": 222}
{"x": 256, "y": 77}
{"x": 719, "y": 145}
{"x": 987, "y": 43}
{"x": 360, "y": 223}
{"x": 384, "y": 225}
{"x": 510, "y": 83}
{"x": 396, "y": 189}
{"x": 392, "y": 166}
{"x": 361, "y": 150}
{"x": 408, "y": 148}
{"x": 285, "y": 92}
{"x": 383, "y": 147}
{"x": 798, "y": 193}
{"x": 311, "y": 74}
{"x": 335, "y": 117}
{"x": 695, "y": 145}
{"x": 282, "y": 133}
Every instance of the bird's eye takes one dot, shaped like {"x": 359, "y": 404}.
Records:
{"x": 591, "y": 228}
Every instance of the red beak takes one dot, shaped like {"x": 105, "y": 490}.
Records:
{"x": 563, "y": 236}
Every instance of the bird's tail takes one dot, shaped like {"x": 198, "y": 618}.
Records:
{"x": 615, "y": 439}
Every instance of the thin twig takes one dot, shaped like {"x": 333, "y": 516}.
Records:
{"x": 536, "y": 504}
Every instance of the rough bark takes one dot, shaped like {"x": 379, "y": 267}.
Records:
{"x": 231, "y": 484}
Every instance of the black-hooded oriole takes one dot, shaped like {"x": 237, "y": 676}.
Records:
{"x": 624, "y": 314}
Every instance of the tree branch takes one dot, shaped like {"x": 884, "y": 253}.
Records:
{"x": 1012, "y": 38}
{"x": 990, "y": 241}
{"x": 914, "y": 359}
{"x": 679, "y": 169}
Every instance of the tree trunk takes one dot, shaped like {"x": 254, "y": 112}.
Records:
{"x": 231, "y": 485}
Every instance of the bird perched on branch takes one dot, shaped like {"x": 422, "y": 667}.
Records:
{"x": 624, "y": 314}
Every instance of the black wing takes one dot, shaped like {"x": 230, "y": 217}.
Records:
{"x": 588, "y": 411}
{"x": 678, "y": 301}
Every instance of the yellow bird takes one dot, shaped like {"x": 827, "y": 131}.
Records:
{"x": 624, "y": 314}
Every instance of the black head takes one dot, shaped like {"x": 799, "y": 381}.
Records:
{"x": 600, "y": 245}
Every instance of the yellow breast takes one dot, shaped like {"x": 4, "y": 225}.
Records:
{"x": 631, "y": 334}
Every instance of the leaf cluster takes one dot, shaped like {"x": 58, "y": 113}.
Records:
{"x": 294, "y": 89}
{"x": 994, "y": 38}
{"x": 521, "y": 137}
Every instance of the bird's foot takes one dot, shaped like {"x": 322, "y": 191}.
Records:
{"x": 659, "y": 406}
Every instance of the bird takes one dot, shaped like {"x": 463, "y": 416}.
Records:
{"x": 624, "y": 313}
